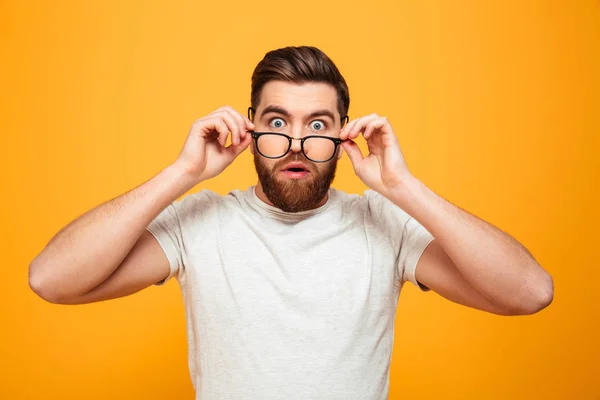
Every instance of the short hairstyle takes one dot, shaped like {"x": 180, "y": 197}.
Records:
{"x": 299, "y": 65}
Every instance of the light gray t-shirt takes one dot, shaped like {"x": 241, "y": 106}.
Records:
{"x": 289, "y": 305}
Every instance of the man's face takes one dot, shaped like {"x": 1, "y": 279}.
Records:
{"x": 298, "y": 111}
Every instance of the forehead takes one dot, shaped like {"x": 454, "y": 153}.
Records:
{"x": 299, "y": 99}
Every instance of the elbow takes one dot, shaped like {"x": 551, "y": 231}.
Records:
{"x": 540, "y": 293}
{"x": 40, "y": 286}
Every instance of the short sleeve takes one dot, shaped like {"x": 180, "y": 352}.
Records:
{"x": 176, "y": 225}
{"x": 406, "y": 234}
{"x": 415, "y": 239}
{"x": 166, "y": 228}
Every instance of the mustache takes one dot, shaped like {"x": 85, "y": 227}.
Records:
{"x": 297, "y": 158}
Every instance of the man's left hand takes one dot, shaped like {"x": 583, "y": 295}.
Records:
{"x": 384, "y": 168}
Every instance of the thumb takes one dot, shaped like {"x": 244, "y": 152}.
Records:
{"x": 249, "y": 124}
{"x": 353, "y": 151}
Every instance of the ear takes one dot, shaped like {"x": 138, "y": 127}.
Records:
{"x": 345, "y": 120}
{"x": 251, "y": 113}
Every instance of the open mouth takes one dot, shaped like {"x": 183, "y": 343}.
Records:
{"x": 295, "y": 172}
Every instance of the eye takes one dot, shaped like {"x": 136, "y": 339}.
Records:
{"x": 277, "y": 123}
{"x": 317, "y": 125}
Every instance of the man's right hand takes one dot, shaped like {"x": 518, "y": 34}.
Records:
{"x": 204, "y": 154}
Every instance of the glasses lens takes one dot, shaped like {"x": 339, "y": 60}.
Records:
{"x": 319, "y": 149}
{"x": 271, "y": 145}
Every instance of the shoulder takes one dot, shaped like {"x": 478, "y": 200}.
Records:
{"x": 382, "y": 209}
{"x": 347, "y": 202}
{"x": 193, "y": 203}
{"x": 369, "y": 203}
{"x": 206, "y": 200}
{"x": 201, "y": 196}
{"x": 368, "y": 198}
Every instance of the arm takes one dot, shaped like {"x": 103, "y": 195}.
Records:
{"x": 470, "y": 261}
{"x": 89, "y": 250}
{"x": 106, "y": 252}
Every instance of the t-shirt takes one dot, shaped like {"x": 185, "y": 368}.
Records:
{"x": 286, "y": 305}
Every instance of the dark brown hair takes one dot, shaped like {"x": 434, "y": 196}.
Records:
{"x": 299, "y": 65}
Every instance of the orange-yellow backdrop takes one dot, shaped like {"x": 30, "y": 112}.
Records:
{"x": 496, "y": 105}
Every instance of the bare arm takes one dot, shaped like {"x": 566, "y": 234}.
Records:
{"x": 471, "y": 261}
{"x": 107, "y": 252}
{"x": 89, "y": 249}
{"x": 143, "y": 266}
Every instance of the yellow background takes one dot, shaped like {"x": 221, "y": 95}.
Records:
{"x": 496, "y": 106}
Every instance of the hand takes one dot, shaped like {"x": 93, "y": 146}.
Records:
{"x": 384, "y": 168}
{"x": 204, "y": 154}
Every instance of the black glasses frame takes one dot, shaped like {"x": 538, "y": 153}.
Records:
{"x": 256, "y": 135}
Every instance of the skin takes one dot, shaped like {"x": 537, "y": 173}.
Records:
{"x": 106, "y": 253}
{"x": 296, "y": 104}
{"x": 470, "y": 262}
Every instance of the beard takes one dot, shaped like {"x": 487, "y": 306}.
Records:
{"x": 295, "y": 195}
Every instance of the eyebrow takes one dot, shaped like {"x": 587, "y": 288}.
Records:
{"x": 285, "y": 113}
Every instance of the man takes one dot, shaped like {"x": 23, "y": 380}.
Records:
{"x": 290, "y": 286}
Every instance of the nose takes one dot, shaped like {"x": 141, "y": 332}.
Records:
{"x": 296, "y": 134}
{"x": 296, "y": 145}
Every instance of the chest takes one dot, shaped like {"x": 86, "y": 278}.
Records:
{"x": 318, "y": 268}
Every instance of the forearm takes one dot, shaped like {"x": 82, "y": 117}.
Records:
{"x": 90, "y": 248}
{"x": 493, "y": 262}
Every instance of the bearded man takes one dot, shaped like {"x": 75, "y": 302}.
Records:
{"x": 290, "y": 286}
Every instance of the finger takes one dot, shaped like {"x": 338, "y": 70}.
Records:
{"x": 368, "y": 130}
{"x": 356, "y": 124}
{"x": 222, "y": 129}
{"x": 353, "y": 152}
{"x": 232, "y": 125}
{"x": 239, "y": 119}
{"x": 228, "y": 110}
{"x": 236, "y": 150}
{"x": 347, "y": 128}
{"x": 218, "y": 112}
{"x": 199, "y": 126}
{"x": 381, "y": 125}
{"x": 249, "y": 124}
{"x": 359, "y": 126}
{"x": 372, "y": 126}
{"x": 206, "y": 126}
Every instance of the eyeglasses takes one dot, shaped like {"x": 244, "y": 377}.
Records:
{"x": 277, "y": 145}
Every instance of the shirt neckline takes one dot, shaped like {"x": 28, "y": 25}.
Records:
{"x": 277, "y": 213}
